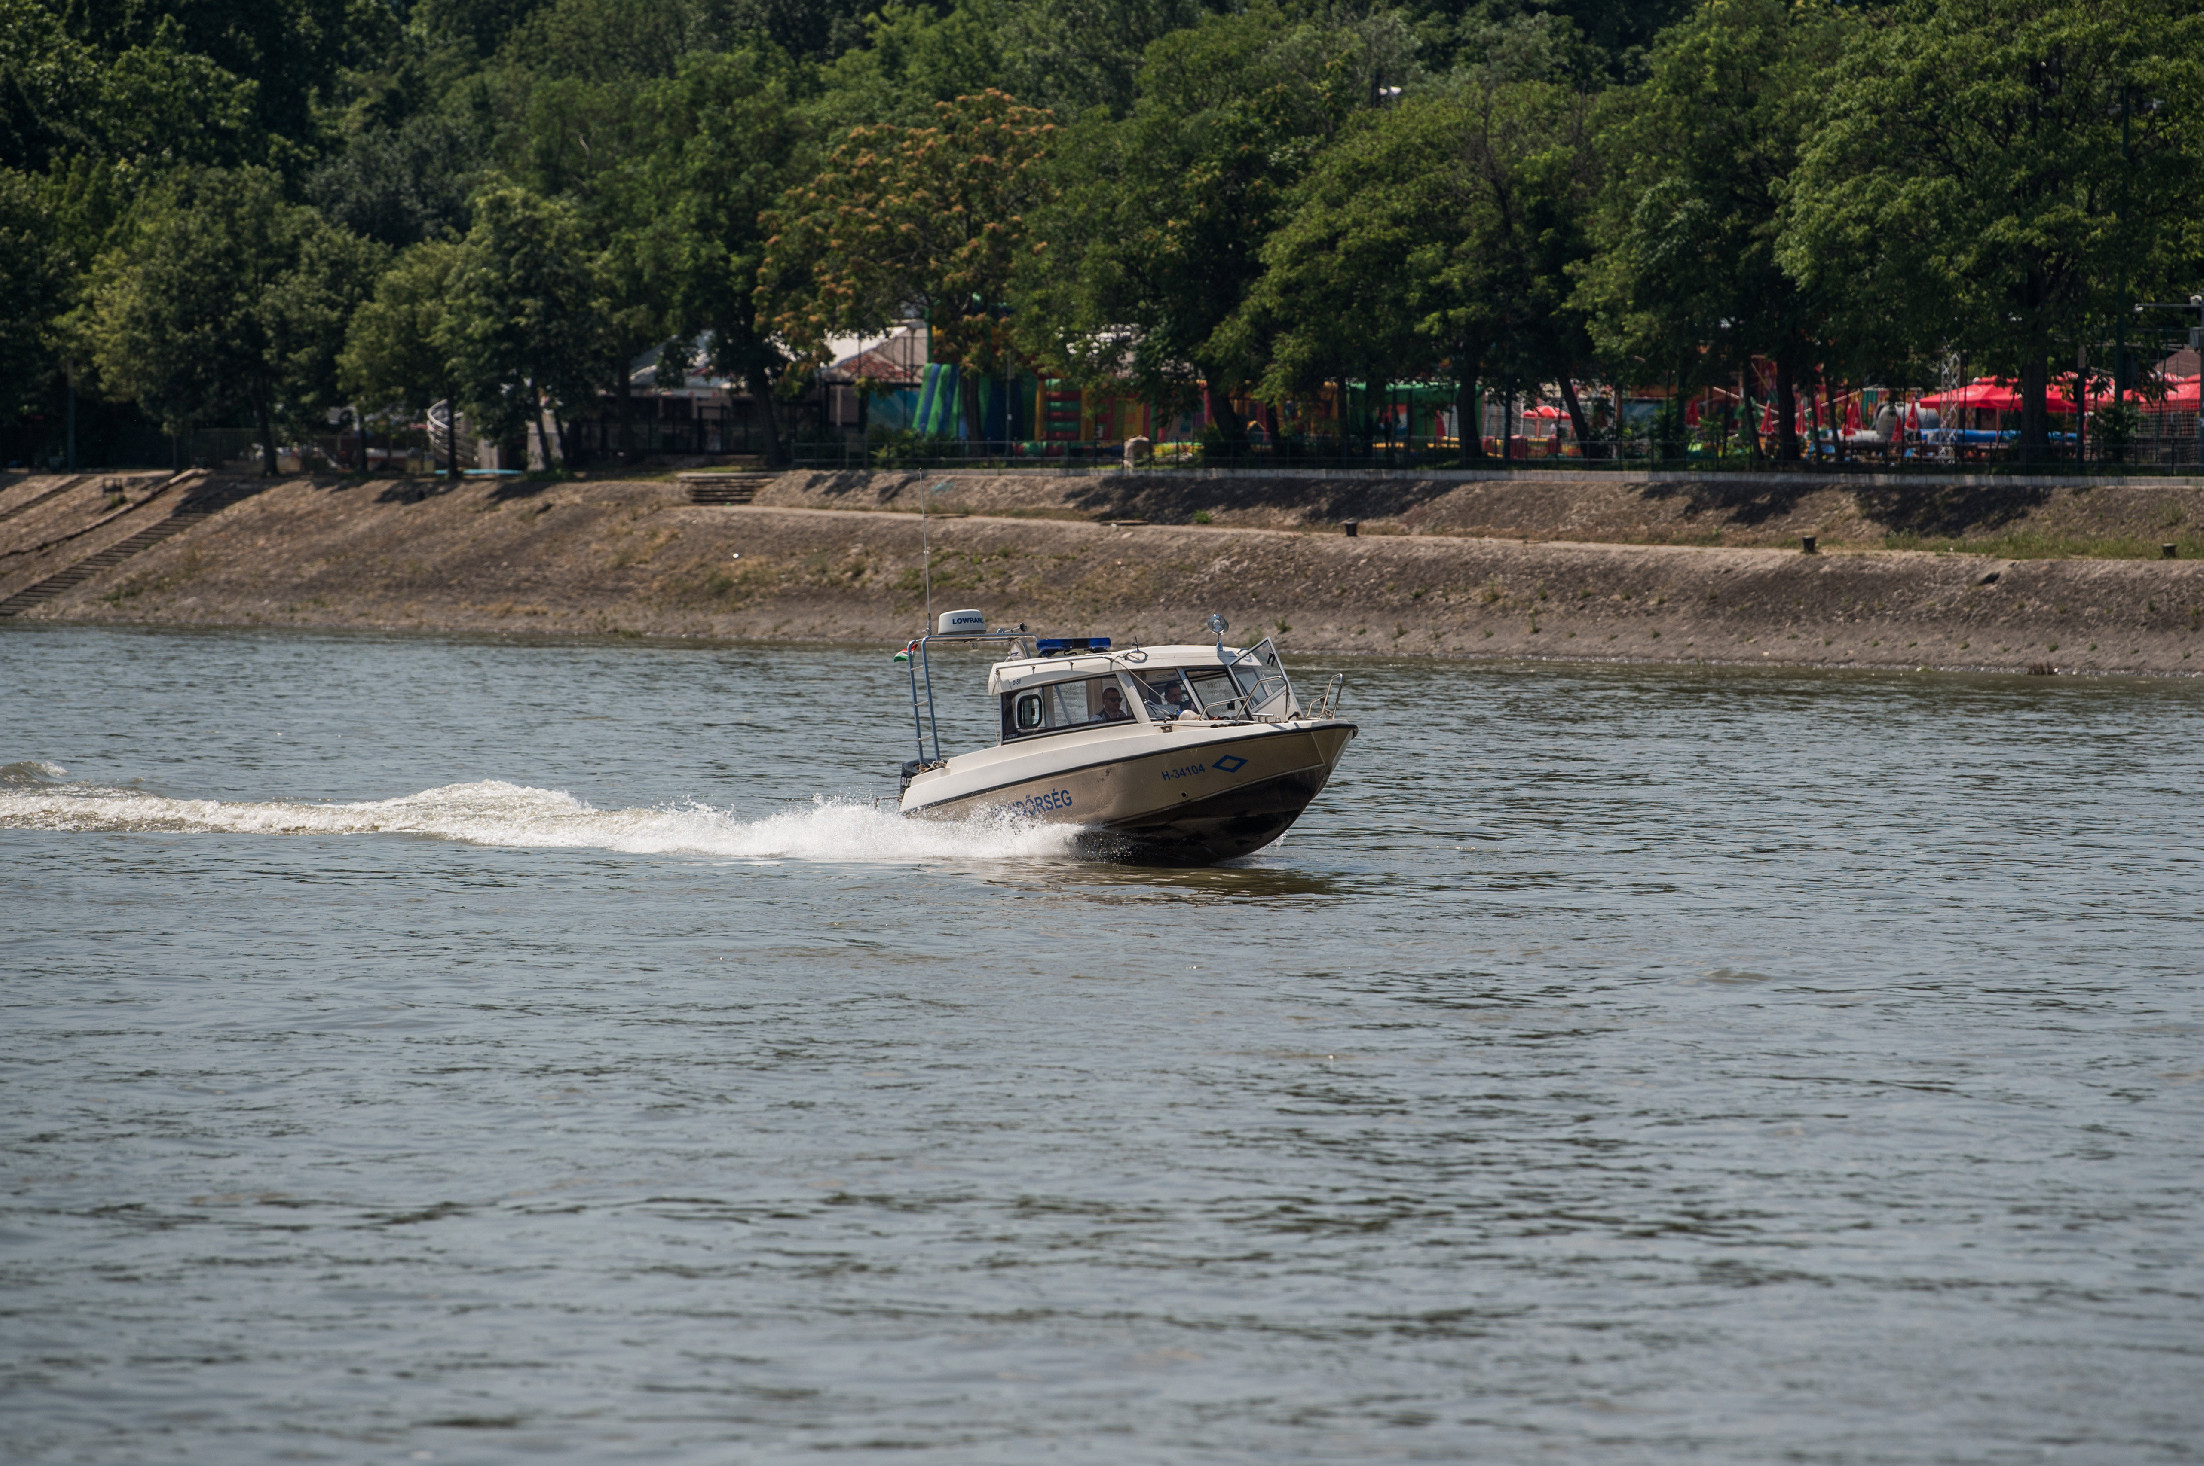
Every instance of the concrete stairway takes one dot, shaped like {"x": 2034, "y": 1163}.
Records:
{"x": 201, "y": 499}
{"x": 737, "y": 487}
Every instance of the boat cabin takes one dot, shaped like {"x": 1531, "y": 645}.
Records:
{"x": 1082, "y": 684}
{"x": 1071, "y": 687}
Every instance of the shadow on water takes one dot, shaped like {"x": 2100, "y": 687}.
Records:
{"x": 1117, "y": 883}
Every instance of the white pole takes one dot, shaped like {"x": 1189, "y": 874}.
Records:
{"x": 926, "y": 548}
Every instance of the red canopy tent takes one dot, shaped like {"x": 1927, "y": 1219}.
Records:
{"x": 1983, "y": 392}
{"x": 1998, "y": 395}
{"x": 2062, "y": 396}
{"x": 2181, "y": 392}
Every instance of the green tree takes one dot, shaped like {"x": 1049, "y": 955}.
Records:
{"x": 903, "y": 219}
{"x": 1442, "y": 235}
{"x": 626, "y": 110}
{"x": 397, "y": 351}
{"x": 33, "y": 284}
{"x": 88, "y": 122}
{"x": 730, "y": 138}
{"x": 1075, "y": 55}
{"x": 222, "y": 298}
{"x": 1348, "y": 284}
{"x": 471, "y": 30}
{"x": 150, "y": 106}
{"x": 1579, "y": 38}
{"x": 610, "y": 40}
{"x": 1688, "y": 283}
{"x": 523, "y": 333}
{"x": 1989, "y": 173}
{"x": 289, "y": 51}
{"x": 1157, "y": 232}
{"x": 916, "y": 56}
{"x": 1068, "y": 56}
{"x": 809, "y": 30}
{"x": 400, "y": 186}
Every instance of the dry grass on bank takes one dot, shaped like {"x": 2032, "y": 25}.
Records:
{"x": 633, "y": 558}
{"x": 2013, "y": 520}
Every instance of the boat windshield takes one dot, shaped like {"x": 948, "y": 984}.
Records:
{"x": 1220, "y": 695}
{"x": 1164, "y": 693}
{"x": 1060, "y": 705}
{"x": 1269, "y": 693}
{"x": 1170, "y": 692}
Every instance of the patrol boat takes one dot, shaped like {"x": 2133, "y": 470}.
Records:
{"x": 1179, "y": 755}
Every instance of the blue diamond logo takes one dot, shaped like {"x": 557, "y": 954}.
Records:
{"x": 1231, "y": 763}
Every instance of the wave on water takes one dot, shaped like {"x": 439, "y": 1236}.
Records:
{"x": 493, "y": 812}
{"x": 30, "y": 773}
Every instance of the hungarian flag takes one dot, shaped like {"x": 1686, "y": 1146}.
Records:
{"x": 905, "y": 654}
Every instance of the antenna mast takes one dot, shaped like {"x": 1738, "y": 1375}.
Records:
{"x": 926, "y": 546}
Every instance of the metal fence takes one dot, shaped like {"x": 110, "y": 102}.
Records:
{"x": 593, "y": 439}
{"x": 1927, "y": 452}
{"x": 2167, "y": 443}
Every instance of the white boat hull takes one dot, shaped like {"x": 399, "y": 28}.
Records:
{"x": 1188, "y": 792}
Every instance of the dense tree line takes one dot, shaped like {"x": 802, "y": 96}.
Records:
{"x": 251, "y": 211}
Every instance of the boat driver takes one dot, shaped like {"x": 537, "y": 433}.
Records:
{"x": 1112, "y": 707}
{"x": 1175, "y": 703}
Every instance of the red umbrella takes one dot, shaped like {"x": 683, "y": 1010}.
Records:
{"x": 1999, "y": 395}
{"x": 1985, "y": 392}
{"x": 2062, "y": 396}
{"x": 2003, "y": 396}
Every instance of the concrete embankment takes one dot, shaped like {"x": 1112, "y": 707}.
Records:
{"x": 1866, "y": 510}
{"x": 606, "y": 557}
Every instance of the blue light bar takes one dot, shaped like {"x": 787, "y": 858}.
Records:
{"x": 1056, "y": 646}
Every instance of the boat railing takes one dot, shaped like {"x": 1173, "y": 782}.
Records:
{"x": 924, "y": 722}
{"x": 1328, "y": 704}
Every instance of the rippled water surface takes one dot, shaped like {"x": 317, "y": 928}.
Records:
{"x": 473, "y": 1051}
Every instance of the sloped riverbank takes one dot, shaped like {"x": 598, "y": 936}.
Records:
{"x": 621, "y": 557}
{"x": 1995, "y": 514}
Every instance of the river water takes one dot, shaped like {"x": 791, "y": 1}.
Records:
{"x": 478, "y": 1051}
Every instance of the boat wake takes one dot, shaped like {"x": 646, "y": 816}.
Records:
{"x": 33, "y": 796}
